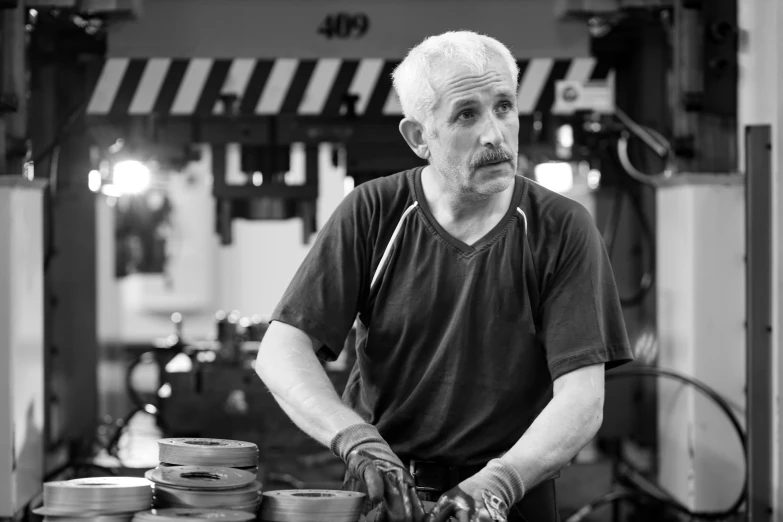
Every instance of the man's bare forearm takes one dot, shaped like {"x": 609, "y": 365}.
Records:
{"x": 567, "y": 423}
{"x": 288, "y": 366}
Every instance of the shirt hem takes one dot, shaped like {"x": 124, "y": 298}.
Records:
{"x": 612, "y": 356}
{"x": 328, "y": 337}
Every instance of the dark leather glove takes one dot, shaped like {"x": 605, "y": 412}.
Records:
{"x": 485, "y": 497}
{"x": 371, "y": 460}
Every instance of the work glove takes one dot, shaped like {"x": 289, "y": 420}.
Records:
{"x": 371, "y": 460}
{"x": 485, "y": 497}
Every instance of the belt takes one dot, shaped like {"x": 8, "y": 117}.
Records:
{"x": 433, "y": 477}
{"x": 436, "y": 478}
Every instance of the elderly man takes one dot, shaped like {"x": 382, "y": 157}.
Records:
{"x": 487, "y": 311}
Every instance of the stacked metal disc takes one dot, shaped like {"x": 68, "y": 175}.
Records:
{"x": 192, "y": 515}
{"x": 204, "y": 487}
{"x": 206, "y": 474}
{"x": 209, "y": 452}
{"x": 311, "y": 505}
{"x": 102, "y": 499}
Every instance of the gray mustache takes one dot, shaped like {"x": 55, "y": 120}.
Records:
{"x": 490, "y": 156}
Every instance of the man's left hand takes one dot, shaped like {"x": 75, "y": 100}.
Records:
{"x": 485, "y": 497}
{"x": 477, "y": 506}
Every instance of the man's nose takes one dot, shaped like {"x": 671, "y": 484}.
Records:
{"x": 491, "y": 133}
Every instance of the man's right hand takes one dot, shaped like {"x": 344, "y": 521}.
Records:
{"x": 371, "y": 460}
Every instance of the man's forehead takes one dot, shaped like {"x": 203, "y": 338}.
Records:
{"x": 453, "y": 80}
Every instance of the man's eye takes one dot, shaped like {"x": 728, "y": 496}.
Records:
{"x": 465, "y": 115}
{"x": 505, "y": 107}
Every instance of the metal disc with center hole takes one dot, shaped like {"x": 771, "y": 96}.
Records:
{"x": 90, "y": 518}
{"x": 250, "y": 507}
{"x": 311, "y": 505}
{"x": 194, "y": 515}
{"x": 165, "y": 496}
{"x": 83, "y": 516}
{"x": 249, "y": 469}
{"x": 200, "y": 477}
{"x": 208, "y": 452}
{"x": 95, "y": 496}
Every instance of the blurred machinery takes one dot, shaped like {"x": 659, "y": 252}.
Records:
{"x": 208, "y": 388}
{"x": 618, "y": 99}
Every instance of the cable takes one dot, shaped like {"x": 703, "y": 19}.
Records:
{"x": 661, "y": 146}
{"x": 72, "y": 119}
{"x": 654, "y": 140}
{"x": 647, "y": 280}
{"x": 648, "y": 277}
{"x": 652, "y": 180}
{"x": 671, "y": 504}
{"x": 139, "y": 406}
{"x": 138, "y": 402}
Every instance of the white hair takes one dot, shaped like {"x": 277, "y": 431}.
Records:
{"x": 412, "y": 78}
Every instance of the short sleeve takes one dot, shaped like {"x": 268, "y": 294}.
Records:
{"x": 581, "y": 316}
{"x": 323, "y": 296}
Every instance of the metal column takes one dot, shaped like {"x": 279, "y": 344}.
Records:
{"x": 759, "y": 320}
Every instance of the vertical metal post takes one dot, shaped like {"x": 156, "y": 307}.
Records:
{"x": 71, "y": 331}
{"x": 758, "y": 142}
{"x": 307, "y": 207}
{"x": 705, "y": 141}
{"x": 13, "y": 88}
{"x": 224, "y": 206}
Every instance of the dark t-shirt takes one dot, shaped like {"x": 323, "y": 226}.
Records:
{"x": 457, "y": 345}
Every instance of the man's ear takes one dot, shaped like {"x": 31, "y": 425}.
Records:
{"x": 413, "y": 133}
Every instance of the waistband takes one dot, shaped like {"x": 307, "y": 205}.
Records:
{"x": 438, "y": 477}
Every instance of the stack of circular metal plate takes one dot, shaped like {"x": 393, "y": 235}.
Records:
{"x": 311, "y": 505}
{"x": 204, "y": 487}
{"x": 208, "y": 452}
{"x": 192, "y": 515}
{"x": 102, "y": 499}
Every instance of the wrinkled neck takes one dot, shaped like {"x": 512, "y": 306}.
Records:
{"x": 450, "y": 204}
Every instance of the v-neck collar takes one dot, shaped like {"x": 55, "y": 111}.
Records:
{"x": 460, "y": 245}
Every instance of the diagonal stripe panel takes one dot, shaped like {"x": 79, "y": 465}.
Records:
{"x": 580, "y": 70}
{"x": 532, "y": 83}
{"x": 392, "y": 106}
{"x": 299, "y": 83}
{"x": 364, "y": 82}
{"x": 150, "y": 86}
{"x": 601, "y": 71}
{"x": 320, "y": 86}
{"x": 192, "y": 85}
{"x": 186, "y": 87}
{"x": 210, "y": 94}
{"x": 380, "y": 93}
{"x": 237, "y": 80}
{"x": 277, "y": 85}
{"x": 107, "y": 86}
{"x": 128, "y": 86}
{"x": 255, "y": 86}
{"x": 170, "y": 87}
{"x": 335, "y": 103}
{"x": 546, "y": 99}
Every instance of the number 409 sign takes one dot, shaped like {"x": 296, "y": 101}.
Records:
{"x": 344, "y": 25}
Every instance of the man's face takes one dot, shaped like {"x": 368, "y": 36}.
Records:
{"x": 474, "y": 129}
